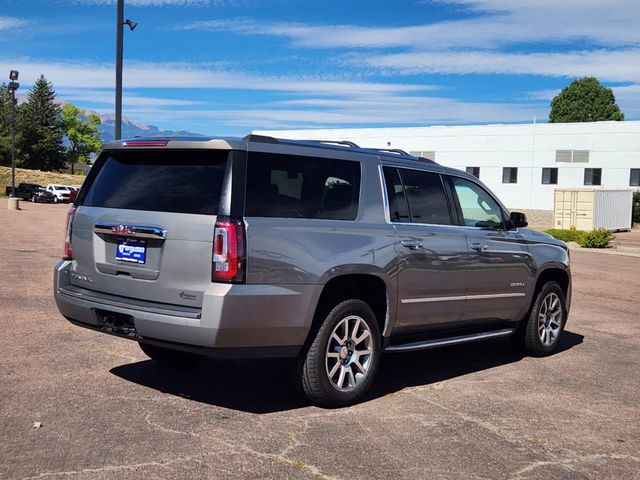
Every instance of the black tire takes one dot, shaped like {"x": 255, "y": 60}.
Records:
{"x": 55, "y": 199}
{"x": 530, "y": 336}
{"x": 34, "y": 199}
{"x": 313, "y": 373}
{"x": 169, "y": 357}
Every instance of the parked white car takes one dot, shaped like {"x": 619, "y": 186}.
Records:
{"x": 60, "y": 192}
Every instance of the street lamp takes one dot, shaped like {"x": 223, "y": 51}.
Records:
{"x": 120, "y": 22}
{"x": 13, "y": 86}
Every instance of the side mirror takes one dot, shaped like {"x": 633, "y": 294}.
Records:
{"x": 518, "y": 219}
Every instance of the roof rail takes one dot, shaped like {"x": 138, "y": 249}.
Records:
{"x": 252, "y": 137}
{"x": 346, "y": 143}
{"x": 399, "y": 151}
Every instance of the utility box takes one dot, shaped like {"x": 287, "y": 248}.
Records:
{"x": 591, "y": 209}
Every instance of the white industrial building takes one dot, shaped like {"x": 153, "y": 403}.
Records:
{"x": 523, "y": 164}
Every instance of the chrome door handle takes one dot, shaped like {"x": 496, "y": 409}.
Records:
{"x": 412, "y": 244}
{"x": 478, "y": 247}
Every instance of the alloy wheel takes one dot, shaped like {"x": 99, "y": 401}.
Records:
{"x": 349, "y": 353}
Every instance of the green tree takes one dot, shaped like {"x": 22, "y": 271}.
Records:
{"x": 585, "y": 100}
{"x": 5, "y": 125}
{"x": 41, "y": 141}
{"x": 82, "y": 134}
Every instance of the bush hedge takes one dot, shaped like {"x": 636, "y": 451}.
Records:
{"x": 565, "y": 235}
{"x": 636, "y": 207}
{"x": 595, "y": 239}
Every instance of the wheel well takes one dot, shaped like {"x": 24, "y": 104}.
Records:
{"x": 367, "y": 288}
{"x": 553, "y": 275}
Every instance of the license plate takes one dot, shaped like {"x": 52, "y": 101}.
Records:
{"x": 130, "y": 250}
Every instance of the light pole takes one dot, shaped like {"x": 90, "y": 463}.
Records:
{"x": 120, "y": 22}
{"x": 13, "y": 86}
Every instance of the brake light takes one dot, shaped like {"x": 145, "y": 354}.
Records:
{"x": 68, "y": 251}
{"x": 146, "y": 143}
{"x": 228, "y": 251}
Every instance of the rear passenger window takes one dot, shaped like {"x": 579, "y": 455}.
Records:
{"x": 290, "y": 186}
{"x": 398, "y": 209}
{"x": 178, "y": 181}
{"x": 426, "y": 197}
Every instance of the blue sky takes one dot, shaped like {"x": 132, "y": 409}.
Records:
{"x": 231, "y": 66}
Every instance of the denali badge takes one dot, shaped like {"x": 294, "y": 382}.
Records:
{"x": 82, "y": 278}
{"x": 517, "y": 284}
{"x": 187, "y": 296}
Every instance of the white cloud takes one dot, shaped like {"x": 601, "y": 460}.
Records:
{"x": 607, "y": 65}
{"x": 106, "y": 97}
{"x": 497, "y": 23}
{"x": 193, "y": 76}
{"x": 8, "y": 23}
{"x": 152, "y": 3}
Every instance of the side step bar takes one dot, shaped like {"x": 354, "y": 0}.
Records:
{"x": 441, "y": 342}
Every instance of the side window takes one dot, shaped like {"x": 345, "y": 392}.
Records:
{"x": 426, "y": 197}
{"x": 479, "y": 209}
{"x": 398, "y": 210}
{"x": 289, "y": 186}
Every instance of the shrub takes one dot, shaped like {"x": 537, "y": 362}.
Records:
{"x": 595, "y": 239}
{"x": 572, "y": 235}
{"x": 636, "y": 207}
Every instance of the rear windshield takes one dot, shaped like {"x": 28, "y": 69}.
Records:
{"x": 175, "y": 181}
{"x": 301, "y": 187}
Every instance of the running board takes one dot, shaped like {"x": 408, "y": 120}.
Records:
{"x": 442, "y": 342}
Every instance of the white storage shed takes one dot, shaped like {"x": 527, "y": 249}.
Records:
{"x": 591, "y": 209}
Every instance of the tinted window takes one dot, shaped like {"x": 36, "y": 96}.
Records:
{"x": 510, "y": 175}
{"x": 634, "y": 177}
{"x": 301, "y": 187}
{"x": 159, "y": 181}
{"x": 592, "y": 176}
{"x": 475, "y": 171}
{"x": 479, "y": 209}
{"x": 550, "y": 176}
{"x": 398, "y": 210}
{"x": 426, "y": 197}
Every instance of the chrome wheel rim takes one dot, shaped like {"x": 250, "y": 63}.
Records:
{"x": 349, "y": 353}
{"x": 550, "y": 319}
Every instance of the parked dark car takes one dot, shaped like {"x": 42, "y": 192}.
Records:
{"x": 32, "y": 191}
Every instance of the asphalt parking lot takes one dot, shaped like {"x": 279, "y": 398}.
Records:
{"x": 77, "y": 404}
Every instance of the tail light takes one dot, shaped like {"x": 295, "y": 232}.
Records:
{"x": 68, "y": 251}
{"x": 228, "y": 251}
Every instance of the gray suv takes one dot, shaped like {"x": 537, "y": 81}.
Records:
{"x": 319, "y": 251}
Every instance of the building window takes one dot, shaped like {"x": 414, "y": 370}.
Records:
{"x": 549, "y": 176}
{"x": 634, "y": 178}
{"x": 592, "y": 176}
{"x": 475, "y": 171}
{"x": 572, "y": 156}
{"x": 509, "y": 175}
{"x": 430, "y": 154}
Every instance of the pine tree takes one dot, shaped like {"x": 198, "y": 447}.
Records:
{"x": 41, "y": 141}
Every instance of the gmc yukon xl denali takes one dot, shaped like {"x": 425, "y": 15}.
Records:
{"x": 319, "y": 251}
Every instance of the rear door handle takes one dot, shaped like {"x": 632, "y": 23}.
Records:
{"x": 479, "y": 247}
{"x": 412, "y": 244}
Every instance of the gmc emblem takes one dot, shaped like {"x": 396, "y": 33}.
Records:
{"x": 122, "y": 229}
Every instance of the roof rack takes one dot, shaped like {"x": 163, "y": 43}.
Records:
{"x": 346, "y": 143}
{"x": 399, "y": 151}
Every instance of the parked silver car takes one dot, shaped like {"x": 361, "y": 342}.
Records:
{"x": 324, "y": 252}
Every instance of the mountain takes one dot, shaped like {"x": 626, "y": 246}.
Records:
{"x": 132, "y": 128}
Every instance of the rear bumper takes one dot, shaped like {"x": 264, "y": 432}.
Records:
{"x": 235, "y": 321}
